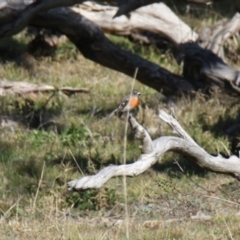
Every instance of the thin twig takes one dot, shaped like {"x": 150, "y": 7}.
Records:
{"x": 224, "y": 200}
{"x": 14, "y": 205}
{"x": 75, "y": 161}
{"x": 124, "y": 162}
{"x": 39, "y": 185}
{"x": 229, "y": 232}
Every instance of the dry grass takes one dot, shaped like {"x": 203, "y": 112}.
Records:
{"x": 166, "y": 202}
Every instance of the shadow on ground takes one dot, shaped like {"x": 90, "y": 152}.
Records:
{"x": 85, "y": 164}
{"x": 26, "y": 112}
{"x": 178, "y": 167}
{"x": 226, "y": 127}
{"x": 6, "y": 149}
{"x": 11, "y": 49}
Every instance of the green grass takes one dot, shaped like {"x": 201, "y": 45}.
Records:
{"x": 66, "y": 138}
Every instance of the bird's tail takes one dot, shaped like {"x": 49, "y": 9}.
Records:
{"x": 112, "y": 114}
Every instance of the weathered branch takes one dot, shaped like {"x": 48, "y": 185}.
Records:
{"x": 217, "y": 41}
{"x": 215, "y": 36}
{"x": 155, "y": 18}
{"x": 133, "y": 169}
{"x": 191, "y": 149}
{"x": 92, "y": 43}
{"x": 174, "y": 124}
{"x": 154, "y": 150}
{"x": 141, "y": 134}
{"x": 26, "y": 89}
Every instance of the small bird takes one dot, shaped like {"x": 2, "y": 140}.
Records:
{"x": 130, "y": 102}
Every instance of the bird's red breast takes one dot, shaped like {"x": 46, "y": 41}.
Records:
{"x": 134, "y": 102}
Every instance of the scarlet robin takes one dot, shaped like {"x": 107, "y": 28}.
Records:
{"x": 130, "y": 102}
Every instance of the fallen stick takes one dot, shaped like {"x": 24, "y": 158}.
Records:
{"x": 27, "y": 89}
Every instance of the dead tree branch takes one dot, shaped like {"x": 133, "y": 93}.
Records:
{"x": 155, "y": 18}
{"x": 92, "y": 43}
{"x": 217, "y": 41}
{"x": 152, "y": 152}
{"x": 201, "y": 68}
{"x": 214, "y": 37}
{"x": 26, "y": 89}
{"x": 145, "y": 161}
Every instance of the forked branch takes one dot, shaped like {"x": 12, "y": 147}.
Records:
{"x": 153, "y": 150}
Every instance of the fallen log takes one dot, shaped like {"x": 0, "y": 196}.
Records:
{"x": 92, "y": 43}
{"x": 155, "y": 18}
{"x": 152, "y": 151}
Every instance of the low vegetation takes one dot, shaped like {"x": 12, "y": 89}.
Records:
{"x": 58, "y": 139}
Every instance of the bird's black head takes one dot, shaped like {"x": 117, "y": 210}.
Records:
{"x": 136, "y": 92}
